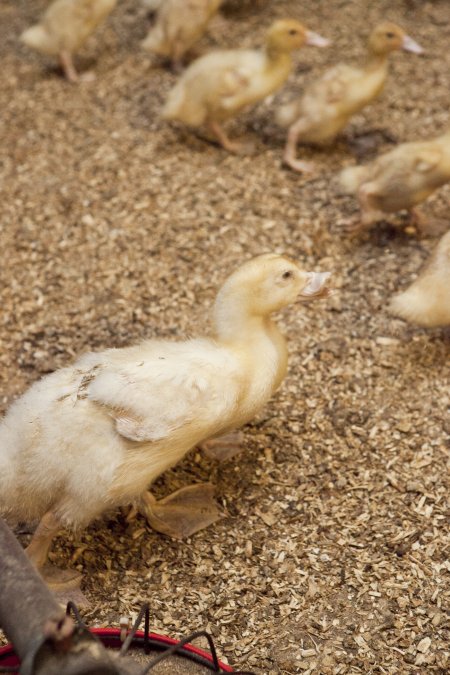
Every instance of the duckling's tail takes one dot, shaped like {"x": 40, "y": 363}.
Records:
{"x": 411, "y": 306}
{"x": 351, "y": 178}
{"x": 155, "y": 42}
{"x": 287, "y": 114}
{"x": 179, "y": 106}
{"x": 38, "y": 38}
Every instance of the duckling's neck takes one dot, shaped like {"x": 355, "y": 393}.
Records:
{"x": 277, "y": 58}
{"x": 376, "y": 61}
{"x": 257, "y": 340}
{"x": 239, "y": 327}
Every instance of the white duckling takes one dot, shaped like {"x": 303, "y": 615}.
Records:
{"x": 65, "y": 27}
{"x": 398, "y": 179}
{"x": 218, "y": 85}
{"x": 329, "y": 103}
{"x": 179, "y": 24}
{"x": 96, "y": 434}
{"x": 427, "y": 301}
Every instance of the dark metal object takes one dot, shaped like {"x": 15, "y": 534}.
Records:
{"x": 49, "y": 642}
{"x": 46, "y": 639}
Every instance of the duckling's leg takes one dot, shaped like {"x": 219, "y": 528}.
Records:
{"x": 176, "y": 61}
{"x": 70, "y": 72}
{"x": 224, "y": 447}
{"x": 370, "y": 211}
{"x": 182, "y": 513}
{"x": 232, "y": 146}
{"x": 64, "y": 583}
{"x": 289, "y": 156}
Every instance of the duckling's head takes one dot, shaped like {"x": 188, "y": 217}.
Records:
{"x": 286, "y": 35}
{"x": 265, "y": 285}
{"x": 388, "y": 37}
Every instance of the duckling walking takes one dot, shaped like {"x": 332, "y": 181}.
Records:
{"x": 96, "y": 434}
{"x": 218, "y": 85}
{"x": 427, "y": 301}
{"x": 399, "y": 179}
{"x": 326, "y": 107}
{"x": 179, "y": 24}
{"x": 65, "y": 27}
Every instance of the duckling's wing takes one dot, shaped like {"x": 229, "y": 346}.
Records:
{"x": 172, "y": 386}
{"x": 71, "y": 22}
{"x": 334, "y": 84}
{"x": 408, "y": 159}
{"x": 427, "y": 159}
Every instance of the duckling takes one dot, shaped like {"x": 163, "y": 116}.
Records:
{"x": 218, "y": 85}
{"x": 326, "y": 107}
{"x": 64, "y": 28}
{"x": 399, "y": 179}
{"x": 96, "y": 434}
{"x": 427, "y": 301}
{"x": 179, "y": 24}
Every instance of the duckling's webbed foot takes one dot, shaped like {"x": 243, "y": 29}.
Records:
{"x": 65, "y": 584}
{"x": 182, "y": 513}
{"x": 231, "y": 146}
{"x": 426, "y": 226}
{"x": 224, "y": 447}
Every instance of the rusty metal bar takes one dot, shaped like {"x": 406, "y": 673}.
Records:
{"x": 46, "y": 640}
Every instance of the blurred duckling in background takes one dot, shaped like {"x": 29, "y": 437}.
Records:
{"x": 399, "y": 179}
{"x": 96, "y": 434}
{"x": 218, "y": 85}
{"x": 329, "y": 103}
{"x": 65, "y": 27}
{"x": 179, "y": 24}
{"x": 427, "y": 301}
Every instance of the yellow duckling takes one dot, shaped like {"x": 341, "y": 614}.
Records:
{"x": 427, "y": 301}
{"x": 326, "y": 107}
{"x": 64, "y": 28}
{"x": 96, "y": 434}
{"x": 179, "y": 24}
{"x": 399, "y": 179}
{"x": 218, "y": 85}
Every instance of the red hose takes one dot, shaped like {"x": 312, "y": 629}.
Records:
{"x": 106, "y": 635}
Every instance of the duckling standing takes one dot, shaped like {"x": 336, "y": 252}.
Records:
{"x": 326, "y": 107}
{"x": 218, "y": 85}
{"x": 399, "y": 179}
{"x": 179, "y": 24}
{"x": 65, "y": 27}
{"x": 427, "y": 301}
{"x": 96, "y": 434}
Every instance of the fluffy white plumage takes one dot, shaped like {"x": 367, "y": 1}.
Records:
{"x": 97, "y": 433}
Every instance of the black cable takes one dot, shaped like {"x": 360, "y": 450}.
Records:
{"x": 71, "y": 608}
{"x": 126, "y": 645}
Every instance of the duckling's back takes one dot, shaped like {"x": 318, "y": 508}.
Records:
{"x": 66, "y": 25}
{"x": 179, "y": 24}
{"x": 329, "y": 102}
{"x": 217, "y": 85}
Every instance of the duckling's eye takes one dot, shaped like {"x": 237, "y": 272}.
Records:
{"x": 390, "y": 35}
{"x": 293, "y": 31}
{"x": 288, "y": 274}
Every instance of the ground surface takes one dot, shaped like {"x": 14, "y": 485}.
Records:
{"x": 333, "y": 556}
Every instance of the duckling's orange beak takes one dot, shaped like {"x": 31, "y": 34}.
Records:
{"x": 316, "y": 286}
{"x": 316, "y": 40}
{"x": 410, "y": 45}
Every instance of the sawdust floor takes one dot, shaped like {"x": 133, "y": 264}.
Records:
{"x": 332, "y": 556}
